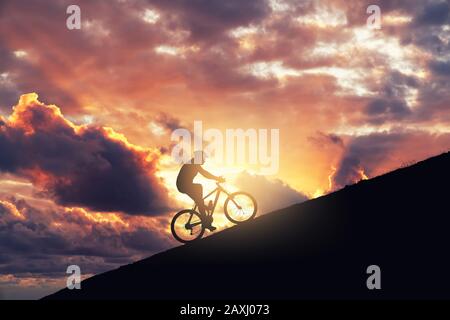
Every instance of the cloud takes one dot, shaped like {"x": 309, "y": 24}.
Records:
{"x": 205, "y": 19}
{"x": 19, "y": 75}
{"x": 91, "y": 167}
{"x": 441, "y": 68}
{"x": 434, "y": 13}
{"x": 374, "y": 154}
{"x": 269, "y": 194}
{"x": 362, "y": 155}
{"x": 323, "y": 140}
{"x": 164, "y": 124}
{"x": 382, "y": 110}
{"x": 43, "y": 242}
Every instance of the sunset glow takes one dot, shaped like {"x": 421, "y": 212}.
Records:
{"x": 86, "y": 116}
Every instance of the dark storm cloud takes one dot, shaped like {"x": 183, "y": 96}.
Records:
{"x": 119, "y": 46}
{"x": 8, "y": 96}
{"x": 434, "y": 13}
{"x": 388, "y": 150}
{"x": 424, "y": 12}
{"x": 364, "y": 153}
{"x": 322, "y": 139}
{"x": 356, "y": 10}
{"x": 206, "y": 19}
{"x": 390, "y": 104}
{"x": 80, "y": 167}
{"x": 426, "y": 32}
{"x": 380, "y": 110}
{"x": 441, "y": 68}
{"x": 6, "y": 57}
{"x": 426, "y": 29}
{"x": 33, "y": 244}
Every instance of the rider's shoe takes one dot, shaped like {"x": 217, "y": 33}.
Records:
{"x": 208, "y": 224}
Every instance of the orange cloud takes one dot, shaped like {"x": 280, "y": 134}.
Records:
{"x": 86, "y": 166}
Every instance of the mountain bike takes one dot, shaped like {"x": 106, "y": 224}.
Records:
{"x": 188, "y": 225}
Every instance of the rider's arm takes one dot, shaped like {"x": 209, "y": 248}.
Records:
{"x": 208, "y": 175}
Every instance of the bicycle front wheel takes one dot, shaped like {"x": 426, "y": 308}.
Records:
{"x": 240, "y": 207}
{"x": 187, "y": 226}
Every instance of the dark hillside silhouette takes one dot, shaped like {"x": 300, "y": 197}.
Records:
{"x": 318, "y": 249}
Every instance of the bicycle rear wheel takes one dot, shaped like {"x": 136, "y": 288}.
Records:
{"x": 240, "y": 207}
{"x": 187, "y": 226}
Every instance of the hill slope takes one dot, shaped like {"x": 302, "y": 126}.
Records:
{"x": 317, "y": 249}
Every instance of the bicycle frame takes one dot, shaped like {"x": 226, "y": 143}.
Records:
{"x": 210, "y": 211}
{"x": 217, "y": 190}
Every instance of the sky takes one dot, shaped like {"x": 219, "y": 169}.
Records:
{"x": 86, "y": 116}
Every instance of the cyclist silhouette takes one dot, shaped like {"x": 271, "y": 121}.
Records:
{"x": 186, "y": 185}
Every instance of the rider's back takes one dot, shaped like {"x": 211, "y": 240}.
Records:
{"x": 186, "y": 175}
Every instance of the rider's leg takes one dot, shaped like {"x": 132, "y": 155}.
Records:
{"x": 196, "y": 193}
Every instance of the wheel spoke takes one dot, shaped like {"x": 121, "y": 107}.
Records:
{"x": 187, "y": 226}
{"x": 195, "y": 224}
{"x": 240, "y": 208}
